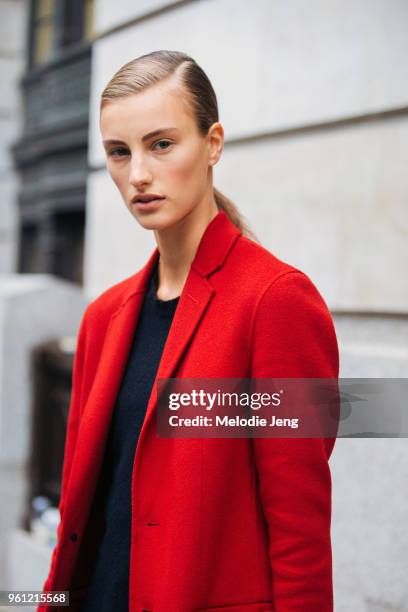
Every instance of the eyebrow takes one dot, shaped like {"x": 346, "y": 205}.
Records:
{"x": 145, "y": 137}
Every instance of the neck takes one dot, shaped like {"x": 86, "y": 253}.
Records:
{"x": 177, "y": 246}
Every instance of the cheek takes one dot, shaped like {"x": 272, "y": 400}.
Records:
{"x": 188, "y": 165}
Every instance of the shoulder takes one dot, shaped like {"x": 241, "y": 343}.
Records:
{"x": 291, "y": 330}
{"x": 265, "y": 274}
{"x": 279, "y": 294}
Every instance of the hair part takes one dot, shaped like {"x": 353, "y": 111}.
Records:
{"x": 158, "y": 66}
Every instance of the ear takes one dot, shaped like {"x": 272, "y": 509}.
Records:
{"x": 215, "y": 138}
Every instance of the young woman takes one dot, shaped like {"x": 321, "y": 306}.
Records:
{"x": 188, "y": 525}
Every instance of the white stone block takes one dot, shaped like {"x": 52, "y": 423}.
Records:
{"x": 13, "y": 491}
{"x": 11, "y": 71}
{"x": 34, "y": 308}
{"x": 13, "y": 26}
{"x": 370, "y": 505}
{"x": 28, "y": 563}
{"x": 8, "y": 253}
{"x": 107, "y": 16}
{"x": 333, "y": 204}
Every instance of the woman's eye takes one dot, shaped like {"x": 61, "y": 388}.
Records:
{"x": 120, "y": 152}
{"x": 162, "y": 142}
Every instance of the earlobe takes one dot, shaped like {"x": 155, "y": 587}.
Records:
{"x": 215, "y": 157}
{"x": 216, "y": 154}
{"x": 216, "y": 151}
{"x": 214, "y": 160}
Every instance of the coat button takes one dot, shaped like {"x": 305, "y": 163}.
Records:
{"x": 73, "y": 537}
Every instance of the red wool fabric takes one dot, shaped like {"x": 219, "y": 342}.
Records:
{"x": 231, "y": 525}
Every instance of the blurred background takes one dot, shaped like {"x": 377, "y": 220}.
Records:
{"x": 313, "y": 98}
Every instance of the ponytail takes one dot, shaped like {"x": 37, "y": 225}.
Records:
{"x": 232, "y": 212}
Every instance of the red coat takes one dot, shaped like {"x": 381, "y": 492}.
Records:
{"x": 218, "y": 525}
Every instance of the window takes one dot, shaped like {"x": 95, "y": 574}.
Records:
{"x": 89, "y": 19}
{"x": 44, "y": 29}
{"x": 59, "y": 24}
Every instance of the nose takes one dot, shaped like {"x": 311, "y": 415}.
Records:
{"x": 139, "y": 173}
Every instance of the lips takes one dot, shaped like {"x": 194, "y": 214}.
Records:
{"x": 146, "y": 197}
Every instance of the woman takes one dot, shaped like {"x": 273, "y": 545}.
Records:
{"x": 182, "y": 525}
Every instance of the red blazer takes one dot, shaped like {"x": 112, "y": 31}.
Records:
{"x": 218, "y": 525}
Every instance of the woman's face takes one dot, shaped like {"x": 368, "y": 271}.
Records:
{"x": 153, "y": 146}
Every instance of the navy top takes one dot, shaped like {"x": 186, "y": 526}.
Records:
{"x": 109, "y": 588}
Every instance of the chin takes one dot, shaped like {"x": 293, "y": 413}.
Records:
{"x": 158, "y": 220}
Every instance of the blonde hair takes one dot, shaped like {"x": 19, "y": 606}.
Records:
{"x": 145, "y": 71}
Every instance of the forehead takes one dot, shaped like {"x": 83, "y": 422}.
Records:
{"x": 138, "y": 114}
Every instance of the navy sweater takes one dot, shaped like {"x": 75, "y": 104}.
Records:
{"x": 109, "y": 589}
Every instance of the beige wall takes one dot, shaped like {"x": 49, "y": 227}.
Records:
{"x": 331, "y": 200}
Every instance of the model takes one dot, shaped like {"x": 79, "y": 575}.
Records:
{"x": 187, "y": 525}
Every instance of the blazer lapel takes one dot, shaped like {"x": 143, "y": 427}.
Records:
{"x": 97, "y": 412}
{"x": 192, "y": 305}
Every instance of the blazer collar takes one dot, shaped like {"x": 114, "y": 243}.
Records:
{"x": 214, "y": 246}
